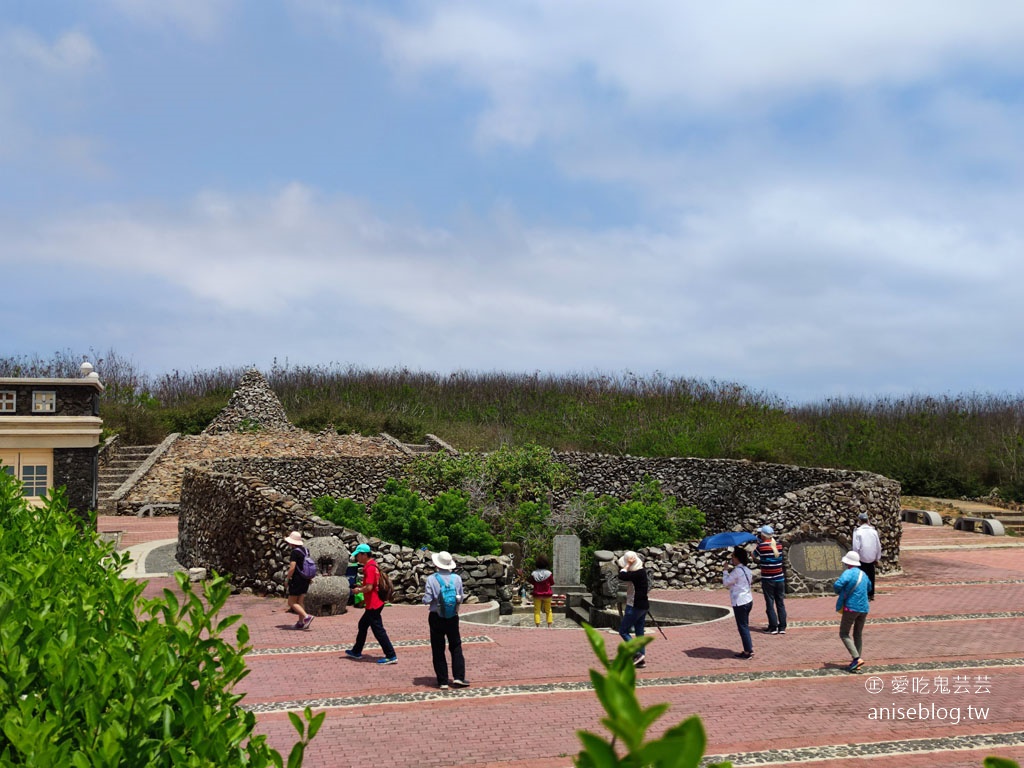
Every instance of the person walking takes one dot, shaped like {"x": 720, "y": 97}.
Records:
{"x": 543, "y": 582}
{"x": 852, "y": 603}
{"x": 868, "y": 547}
{"x": 373, "y": 606}
{"x": 298, "y": 585}
{"x": 739, "y": 580}
{"x": 632, "y": 571}
{"x": 773, "y": 579}
{"x": 443, "y": 593}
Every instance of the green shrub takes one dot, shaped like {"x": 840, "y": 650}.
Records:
{"x": 345, "y": 512}
{"x": 648, "y": 518}
{"x": 93, "y": 675}
{"x": 402, "y": 516}
{"x": 192, "y": 417}
{"x": 457, "y": 529}
{"x": 505, "y": 477}
{"x": 681, "y": 746}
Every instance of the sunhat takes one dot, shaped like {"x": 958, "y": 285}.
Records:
{"x": 362, "y": 549}
{"x": 630, "y": 561}
{"x": 294, "y": 538}
{"x": 767, "y": 530}
{"x": 443, "y": 560}
{"x": 851, "y": 558}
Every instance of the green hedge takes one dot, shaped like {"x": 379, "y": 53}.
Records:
{"x": 92, "y": 674}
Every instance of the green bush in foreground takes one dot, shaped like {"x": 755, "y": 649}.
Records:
{"x": 93, "y": 675}
{"x": 681, "y": 746}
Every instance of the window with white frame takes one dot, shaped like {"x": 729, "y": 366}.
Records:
{"x": 44, "y": 401}
{"x": 35, "y": 479}
{"x": 8, "y": 401}
{"x": 34, "y": 468}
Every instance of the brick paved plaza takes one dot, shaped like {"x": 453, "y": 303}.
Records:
{"x": 952, "y": 621}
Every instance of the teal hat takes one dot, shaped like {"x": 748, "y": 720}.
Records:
{"x": 362, "y": 548}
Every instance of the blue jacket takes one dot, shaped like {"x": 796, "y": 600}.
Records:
{"x": 851, "y": 594}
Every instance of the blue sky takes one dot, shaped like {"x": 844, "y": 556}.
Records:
{"x": 814, "y": 200}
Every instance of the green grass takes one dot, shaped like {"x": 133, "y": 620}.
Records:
{"x": 964, "y": 445}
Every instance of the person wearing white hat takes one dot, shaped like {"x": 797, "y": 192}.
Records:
{"x": 443, "y": 593}
{"x": 298, "y": 585}
{"x": 634, "y": 618}
{"x": 852, "y": 603}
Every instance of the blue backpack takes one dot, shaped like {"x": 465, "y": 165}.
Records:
{"x": 448, "y": 598}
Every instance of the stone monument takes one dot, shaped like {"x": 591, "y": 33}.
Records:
{"x": 566, "y": 569}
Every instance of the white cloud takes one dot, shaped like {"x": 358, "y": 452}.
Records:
{"x": 536, "y": 59}
{"x": 37, "y": 75}
{"x": 755, "y": 291}
{"x": 71, "y": 52}
{"x": 201, "y": 19}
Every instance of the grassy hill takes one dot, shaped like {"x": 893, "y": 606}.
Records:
{"x": 951, "y": 446}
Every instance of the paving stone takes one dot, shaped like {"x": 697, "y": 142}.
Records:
{"x": 954, "y": 612}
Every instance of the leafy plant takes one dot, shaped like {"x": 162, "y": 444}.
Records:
{"x": 681, "y": 746}
{"x": 402, "y": 516}
{"x": 345, "y": 512}
{"x": 648, "y": 518}
{"x": 97, "y": 676}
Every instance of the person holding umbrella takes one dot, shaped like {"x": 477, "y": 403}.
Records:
{"x": 739, "y": 580}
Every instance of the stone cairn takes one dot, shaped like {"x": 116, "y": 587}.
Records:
{"x": 252, "y": 407}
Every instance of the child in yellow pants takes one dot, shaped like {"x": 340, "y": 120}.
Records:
{"x": 543, "y": 588}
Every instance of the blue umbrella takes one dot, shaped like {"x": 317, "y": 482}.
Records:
{"x": 727, "y": 539}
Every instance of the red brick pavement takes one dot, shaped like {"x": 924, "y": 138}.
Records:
{"x": 539, "y": 729}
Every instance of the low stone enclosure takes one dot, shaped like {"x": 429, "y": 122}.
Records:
{"x": 234, "y": 514}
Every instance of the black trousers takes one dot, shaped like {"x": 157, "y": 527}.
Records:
{"x": 371, "y": 620}
{"x": 442, "y": 630}
{"x": 869, "y": 571}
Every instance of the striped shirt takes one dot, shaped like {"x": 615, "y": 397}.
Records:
{"x": 771, "y": 564}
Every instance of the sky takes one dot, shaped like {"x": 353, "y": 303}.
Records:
{"x": 813, "y": 200}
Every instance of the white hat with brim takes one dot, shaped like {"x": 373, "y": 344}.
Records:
{"x": 294, "y": 538}
{"x": 630, "y": 561}
{"x": 443, "y": 560}
{"x": 851, "y": 558}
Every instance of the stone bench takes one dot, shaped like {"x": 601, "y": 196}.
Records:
{"x": 979, "y": 525}
{"x": 922, "y": 517}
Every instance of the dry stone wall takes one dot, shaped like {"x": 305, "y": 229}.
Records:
{"x": 236, "y": 524}
{"x": 801, "y": 503}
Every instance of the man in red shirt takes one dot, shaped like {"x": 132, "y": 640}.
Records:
{"x": 373, "y": 606}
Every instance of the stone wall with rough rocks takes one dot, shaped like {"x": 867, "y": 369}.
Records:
{"x": 361, "y": 478}
{"x": 800, "y": 503}
{"x": 161, "y": 484}
{"x": 236, "y": 524}
{"x": 822, "y": 512}
{"x": 253, "y": 407}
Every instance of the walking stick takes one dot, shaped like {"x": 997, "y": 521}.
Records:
{"x": 655, "y": 622}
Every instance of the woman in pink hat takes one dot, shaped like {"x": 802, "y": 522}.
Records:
{"x": 298, "y": 585}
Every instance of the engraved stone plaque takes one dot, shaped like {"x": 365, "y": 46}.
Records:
{"x": 820, "y": 559}
{"x": 566, "y": 566}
